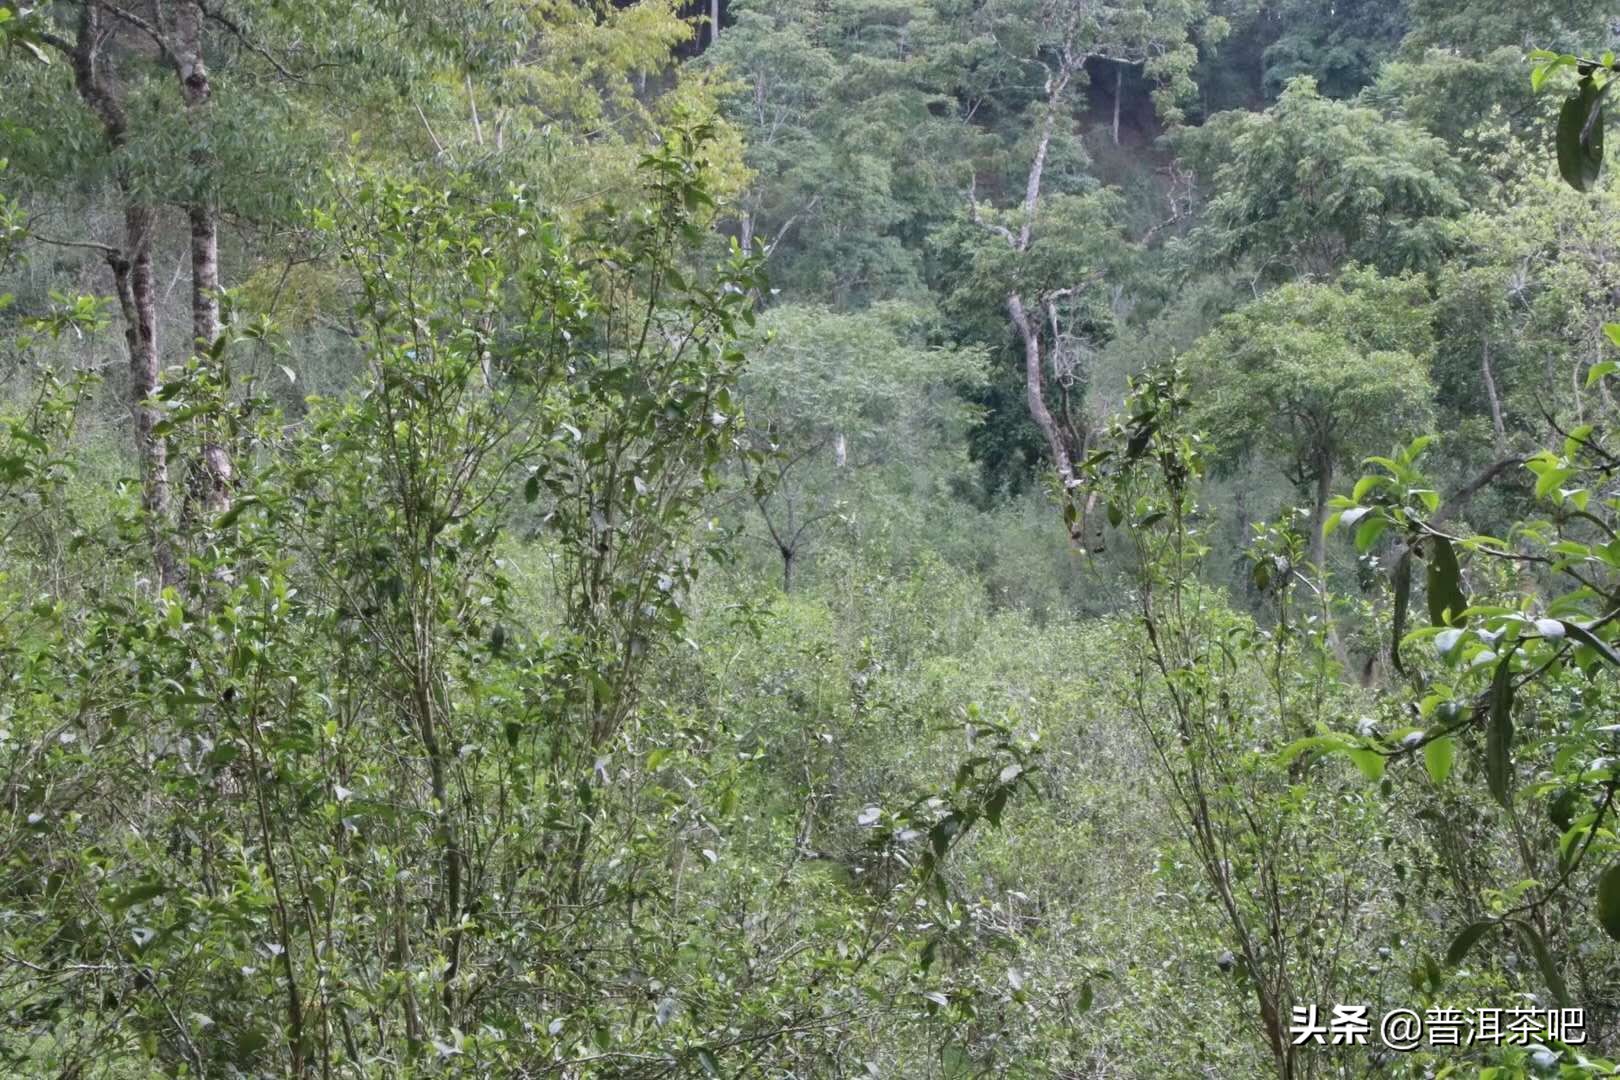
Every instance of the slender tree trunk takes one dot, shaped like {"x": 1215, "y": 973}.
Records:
{"x": 472, "y": 102}
{"x": 1028, "y": 330}
{"x": 205, "y": 325}
{"x": 1496, "y": 402}
{"x": 1119, "y": 89}
{"x": 714, "y": 21}
{"x": 132, "y": 279}
{"x": 137, "y": 299}
{"x": 204, "y": 274}
{"x": 1324, "y": 491}
{"x": 144, "y": 363}
{"x": 197, "y": 90}
{"x": 1035, "y": 392}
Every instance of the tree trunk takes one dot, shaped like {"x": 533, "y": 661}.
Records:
{"x": 1119, "y": 88}
{"x": 1324, "y": 491}
{"x": 196, "y": 91}
{"x": 133, "y": 281}
{"x": 1035, "y": 393}
{"x": 714, "y": 21}
{"x": 137, "y": 299}
{"x": 204, "y": 275}
{"x": 1491, "y": 395}
{"x": 144, "y": 364}
{"x": 216, "y": 459}
{"x": 1028, "y": 331}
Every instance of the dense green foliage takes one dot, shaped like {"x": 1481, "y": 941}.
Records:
{"x": 906, "y": 538}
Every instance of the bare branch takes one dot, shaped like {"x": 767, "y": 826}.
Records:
{"x": 91, "y": 245}
{"x": 144, "y": 27}
{"x": 781, "y": 234}
{"x": 55, "y": 41}
{"x": 436, "y": 143}
{"x": 1463, "y": 495}
{"x": 973, "y": 208}
{"x": 237, "y": 32}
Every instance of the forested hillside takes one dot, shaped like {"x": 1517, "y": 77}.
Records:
{"x": 809, "y": 538}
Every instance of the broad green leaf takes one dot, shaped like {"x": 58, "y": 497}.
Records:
{"x": 1348, "y": 519}
{"x": 1553, "y": 61}
{"x": 1327, "y": 744}
{"x": 1366, "y": 484}
{"x": 996, "y": 804}
{"x": 1445, "y": 584}
{"x": 929, "y": 950}
{"x": 1549, "y": 970}
{"x": 138, "y": 895}
{"x": 1370, "y": 762}
{"x": 1608, "y": 901}
{"x": 1592, "y": 641}
{"x": 1369, "y": 532}
{"x": 1561, "y": 808}
{"x": 1438, "y": 756}
{"x": 1466, "y": 940}
{"x": 1446, "y": 643}
{"x": 1580, "y": 136}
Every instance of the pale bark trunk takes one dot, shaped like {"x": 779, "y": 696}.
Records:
{"x": 216, "y": 459}
{"x": 1119, "y": 87}
{"x": 1496, "y": 402}
{"x": 137, "y": 299}
{"x": 1028, "y": 331}
{"x": 1032, "y": 187}
{"x": 196, "y": 90}
{"x": 136, "y": 288}
{"x": 714, "y": 21}
{"x": 472, "y": 102}
{"x": 1036, "y": 394}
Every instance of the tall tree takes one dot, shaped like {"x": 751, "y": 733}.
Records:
{"x": 839, "y": 403}
{"x": 849, "y": 136}
{"x": 1049, "y": 43}
{"x": 95, "y": 44}
{"x": 172, "y": 132}
{"x": 1320, "y": 375}
{"x": 1340, "y": 44}
{"x": 1311, "y": 183}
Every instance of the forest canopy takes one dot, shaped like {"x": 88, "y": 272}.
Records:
{"x": 741, "y": 538}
